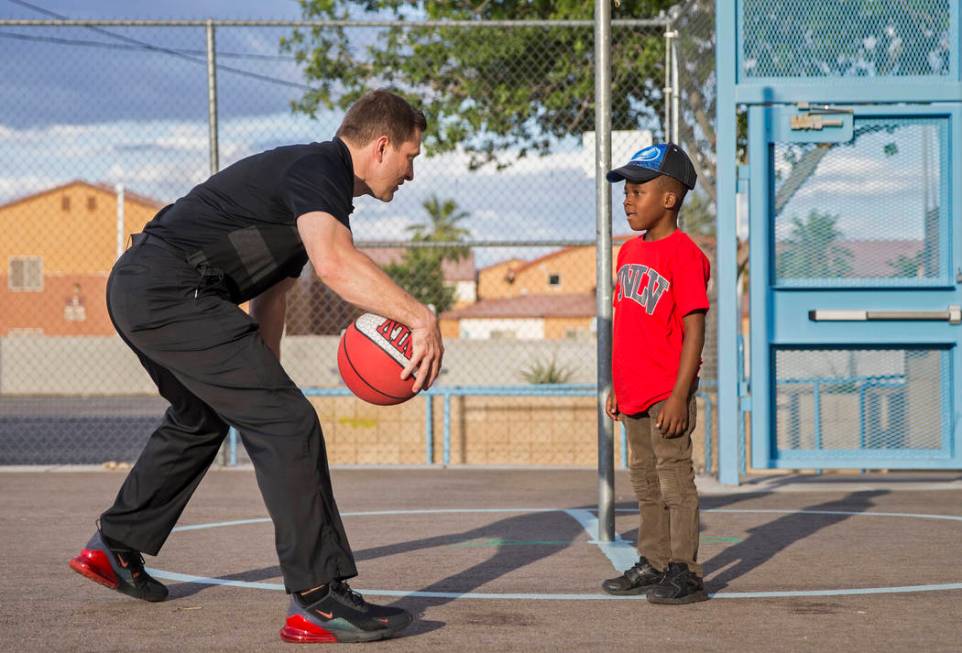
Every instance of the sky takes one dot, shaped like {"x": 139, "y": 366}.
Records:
{"x": 118, "y": 113}
{"x": 123, "y": 114}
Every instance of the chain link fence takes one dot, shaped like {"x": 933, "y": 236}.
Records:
{"x": 104, "y": 123}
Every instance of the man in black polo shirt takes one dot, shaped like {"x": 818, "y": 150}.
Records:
{"x": 244, "y": 235}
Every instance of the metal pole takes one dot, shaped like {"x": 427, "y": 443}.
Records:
{"x": 121, "y": 221}
{"x": 446, "y": 437}
{"x": 675, "y": 91}
{"x": 666, "y": 89}
{"x": 212, "y": 96}
{"x": 606, "y": 453}
{"x": 429, "y": 429}
{"x": 730, "y": 422}
{"x": 214, "y": 165}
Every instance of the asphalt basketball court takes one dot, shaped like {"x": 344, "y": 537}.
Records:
{"x": 506, "y": 560}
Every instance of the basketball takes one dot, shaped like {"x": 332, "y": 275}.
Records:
{"x": 372, "y": 352}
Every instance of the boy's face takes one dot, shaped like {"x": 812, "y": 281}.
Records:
{"x": 644, "y": 204}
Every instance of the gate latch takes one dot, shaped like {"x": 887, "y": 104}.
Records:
{"x": 811, "y": 116}
{"x": 817, "y": 122}
{"x": 952, "y": 315}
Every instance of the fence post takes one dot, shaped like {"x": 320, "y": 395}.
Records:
{"x": 666, "y": 89}
{"x": 121, "y": 219}
{"x": 730, "y": 418}
{"x": 429, "y": 428}
{"x": 606, "y": 462}
{"x": 709, "y": 430}
{"x": 212, "y": 97}
{"x": 446, "y": 446}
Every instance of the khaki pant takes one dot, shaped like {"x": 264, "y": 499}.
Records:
{"x": 664, "y": 482}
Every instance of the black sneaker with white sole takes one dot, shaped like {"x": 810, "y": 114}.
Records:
{"x": 341, "y": 615}
{"x": 679, "y": 585}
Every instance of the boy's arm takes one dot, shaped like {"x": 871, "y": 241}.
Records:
{"x": 673, "y": 418}
{"x": 611, "y": 402}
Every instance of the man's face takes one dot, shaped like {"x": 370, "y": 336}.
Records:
{"x": 644, "y": 204}
{"x": 396, "y": 165}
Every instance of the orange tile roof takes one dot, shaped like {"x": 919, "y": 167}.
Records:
{"x": 128, "y": 195}
{"x": 529, "y": 306}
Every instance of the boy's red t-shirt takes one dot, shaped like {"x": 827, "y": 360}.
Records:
{"x": 657, "y": 284}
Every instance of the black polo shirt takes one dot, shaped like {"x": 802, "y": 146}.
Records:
{"x": 242, "y": 222}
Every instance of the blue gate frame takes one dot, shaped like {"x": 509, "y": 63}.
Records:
{"x": 778, "y": 314}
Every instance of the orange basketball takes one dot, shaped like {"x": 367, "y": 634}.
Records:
{"x": 372, "y": 352}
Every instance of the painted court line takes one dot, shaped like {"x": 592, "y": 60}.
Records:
{"x": 620, "y": 553}
{"x": 572, "y": 513}
{"x": 204, "y": 580}
{"x": 370, "y": 513}
{"x": 837, "y": 512}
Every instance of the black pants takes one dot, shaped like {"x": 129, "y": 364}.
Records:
{"x": 209, "y": 361}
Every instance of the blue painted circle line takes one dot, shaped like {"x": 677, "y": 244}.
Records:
{"x": 583, "y": 516}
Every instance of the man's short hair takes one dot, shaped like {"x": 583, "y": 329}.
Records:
{"x": 380, "y": 113}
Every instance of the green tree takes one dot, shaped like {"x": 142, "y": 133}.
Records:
{"x": 811, "y": 251}
{"x": 698, "y": 214}
{"x": 908, "y": 267}
{"x": 444, "y": 216}
{"x": 845, "y": 38}
{"x": 485, "y": 90}
{"x": 785, "y": 38}
{"x": 420, "y": 270}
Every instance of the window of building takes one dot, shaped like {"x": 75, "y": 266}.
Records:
{"x": 65, "y": 202}
{"x": 74, "y": 309}
{"x": 91, "y": 203}
{"x": 554, "y": 279}
{"x": 25, "y": 274}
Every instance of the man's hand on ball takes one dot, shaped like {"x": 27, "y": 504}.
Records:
{"x": 427, "y": 352}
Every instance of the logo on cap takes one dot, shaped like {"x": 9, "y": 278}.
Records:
{"x": 651, "y": 154}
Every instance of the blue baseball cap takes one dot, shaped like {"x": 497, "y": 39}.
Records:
{"x": 654, "y": 161}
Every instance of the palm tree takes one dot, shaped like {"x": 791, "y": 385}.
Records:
{"x": 812, "y": 251}
{"x": 443, "y": 227}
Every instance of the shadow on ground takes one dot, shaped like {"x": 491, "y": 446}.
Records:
{"x": 766, "y": 540}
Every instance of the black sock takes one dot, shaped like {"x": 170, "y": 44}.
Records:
{"x": 308, "y": 597}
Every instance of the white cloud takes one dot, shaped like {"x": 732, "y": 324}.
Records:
{"x": 14, "y": 187}
{"x": 548, "y": 197}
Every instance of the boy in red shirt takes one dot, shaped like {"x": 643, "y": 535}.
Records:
{"x": 660, "y": 302}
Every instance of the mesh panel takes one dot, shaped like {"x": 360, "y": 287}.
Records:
{"x": 515, "y": 317}
{"x": 846, "y": 38}
{"x": 867, "y": 212}
{"x": 860, "y": 399}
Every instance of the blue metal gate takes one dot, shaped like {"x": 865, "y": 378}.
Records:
{"x": 854, "y": 145}
{"x": 855, "y": 288}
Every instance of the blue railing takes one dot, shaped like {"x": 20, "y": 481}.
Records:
{"x": 860, "y": 383}
{"x": 447, "y": 392}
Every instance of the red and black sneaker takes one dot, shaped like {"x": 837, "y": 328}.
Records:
{"x": 341, "y": 615}
{"x": 118, "y": 569}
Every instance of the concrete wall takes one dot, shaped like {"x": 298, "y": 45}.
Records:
{"x": 34, "y": 364}
{"x": 484, "y": 430}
